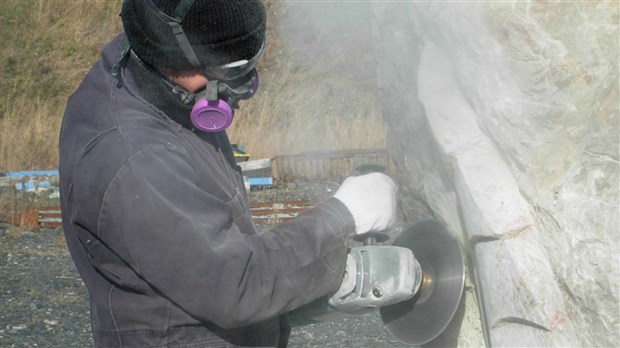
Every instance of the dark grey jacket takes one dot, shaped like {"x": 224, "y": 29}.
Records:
{"x": 157, "y": 222}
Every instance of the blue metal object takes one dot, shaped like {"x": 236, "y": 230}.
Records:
{"x": 31, "y": 173}
{"x": 260, "y": 181}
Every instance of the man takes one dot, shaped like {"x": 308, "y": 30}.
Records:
{"x": 154, "y": 209}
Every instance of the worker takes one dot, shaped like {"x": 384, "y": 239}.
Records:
{"x": 154, "y": 209}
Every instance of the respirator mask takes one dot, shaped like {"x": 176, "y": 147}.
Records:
{"x": 227, "y": 83}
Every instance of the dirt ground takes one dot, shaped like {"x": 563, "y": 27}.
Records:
{"x": 44, "y": 302}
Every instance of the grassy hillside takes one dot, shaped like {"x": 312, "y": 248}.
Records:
{"x": 48, "y": 46}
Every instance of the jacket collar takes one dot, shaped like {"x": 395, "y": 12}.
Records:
{"x": 156, "y": 92}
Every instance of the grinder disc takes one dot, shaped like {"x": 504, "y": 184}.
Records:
{"x": 425, "y": 316}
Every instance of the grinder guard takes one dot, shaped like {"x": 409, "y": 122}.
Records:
{"x": 425, "y": 316}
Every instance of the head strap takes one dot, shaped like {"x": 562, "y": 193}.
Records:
{"x": 175, "y": 25}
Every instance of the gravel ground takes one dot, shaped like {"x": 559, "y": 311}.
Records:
{"x": 44, "y": 302}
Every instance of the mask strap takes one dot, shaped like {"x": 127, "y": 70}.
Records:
{"x": 175, "y": 25}
{"x": 212, "y": 90}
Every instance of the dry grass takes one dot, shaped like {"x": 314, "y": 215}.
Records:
{"x": 294, "y": 115}
{"x": 48, "y": 46}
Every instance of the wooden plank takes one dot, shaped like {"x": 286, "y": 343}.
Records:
{"x": 272, "y": 220}
{"x": 286, "y": 203}
{"x": 259, "y": 212}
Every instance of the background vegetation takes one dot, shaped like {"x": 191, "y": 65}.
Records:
{"x": 302, "y": 105}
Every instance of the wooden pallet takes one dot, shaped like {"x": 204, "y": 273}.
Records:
{"x": 327, "y": 165}
{"x": 49, "y": 217}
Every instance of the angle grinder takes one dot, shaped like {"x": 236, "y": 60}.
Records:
{"x": 416, "y": 283}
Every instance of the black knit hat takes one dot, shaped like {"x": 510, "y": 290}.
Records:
{"x": 219, "y": 31}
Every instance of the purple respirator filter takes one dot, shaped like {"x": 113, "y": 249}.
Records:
{"x": 211, "y": 116}
{"x": 215, "y": 116}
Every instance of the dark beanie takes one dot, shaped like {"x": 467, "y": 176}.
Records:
{"x": 219, "y": 31}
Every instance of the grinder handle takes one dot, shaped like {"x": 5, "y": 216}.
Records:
{"x": 372, "y": 237}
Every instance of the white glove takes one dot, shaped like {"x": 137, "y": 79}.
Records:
{"x": 371, "y": 199}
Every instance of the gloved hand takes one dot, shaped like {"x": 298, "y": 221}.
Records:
{"x": 371, "y": 199}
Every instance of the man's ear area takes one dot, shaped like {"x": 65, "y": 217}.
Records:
{"x": 179, "y": 73}
{"x": 190, "y": 80}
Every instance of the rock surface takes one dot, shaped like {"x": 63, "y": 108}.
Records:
{"x": 503, "y": 119}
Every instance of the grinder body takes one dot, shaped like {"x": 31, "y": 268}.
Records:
{"x": 375, "y": 276}
{"x": 415, "y": 284}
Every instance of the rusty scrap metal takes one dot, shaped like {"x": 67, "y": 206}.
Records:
{"x": 49, "y": 217}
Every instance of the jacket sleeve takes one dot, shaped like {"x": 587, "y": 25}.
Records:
{"x": 182, "y": 241}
